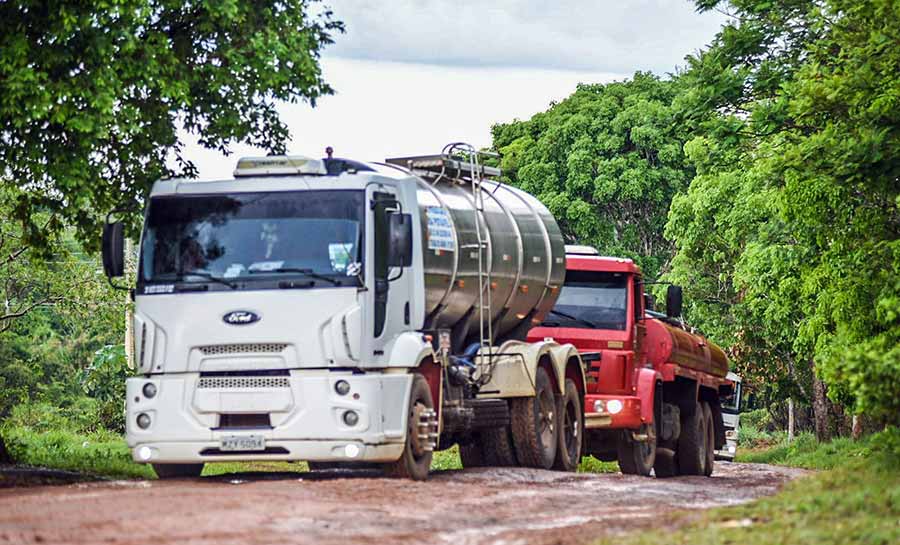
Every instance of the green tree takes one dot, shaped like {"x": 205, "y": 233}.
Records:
{"x": 792, "y": 221}
{"x": 606, "y": 161}
{"x": 95, "y": 97}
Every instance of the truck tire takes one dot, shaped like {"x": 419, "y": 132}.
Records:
{"x": 534, "y": 424}
{"x": 415, "y": 461}
{"x": 692, "y": 442}
{"x": 177, "y": 471}
{"x": 666, "y": 463}
{"x": 497, "y": 447}
{"x": 710, "y": 440}
{"x": 470, "y": 454}
{"x": 571, "y": 429}
{"x": 637, "y": 457}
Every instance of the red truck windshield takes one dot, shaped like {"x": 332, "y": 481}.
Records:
{"x": 591, "y": 299}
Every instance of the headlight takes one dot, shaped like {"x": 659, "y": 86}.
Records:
{"x": 599, "y": 406}
{"x": 614, "y": 406}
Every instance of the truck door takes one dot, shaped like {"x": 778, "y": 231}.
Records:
{"x": 389, "y": 288}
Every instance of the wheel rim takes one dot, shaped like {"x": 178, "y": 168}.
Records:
{"x": 647, "y": 449}
{"x": 570, "y": 428}
{"x": 416, "y": 443}
{"x": 546, "y": 416}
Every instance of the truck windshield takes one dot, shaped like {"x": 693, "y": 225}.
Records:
{"x": 731, "y": 402}
{"x": 589, "y": 298}
{"x": 255, "y": 237}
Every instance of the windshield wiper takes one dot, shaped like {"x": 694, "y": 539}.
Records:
{"x": 180, "y": 277}
{"x": 573, "y": 318}
{"x": 305, "y": 272}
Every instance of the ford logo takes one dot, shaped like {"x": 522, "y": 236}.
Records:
{"x": 240, "y": 317}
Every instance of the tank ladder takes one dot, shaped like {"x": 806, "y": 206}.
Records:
{"x": 485, "y": 303}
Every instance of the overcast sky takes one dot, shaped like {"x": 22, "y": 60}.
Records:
{"x": 413, "y": 76}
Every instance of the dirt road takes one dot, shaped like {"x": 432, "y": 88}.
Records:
{"x": 456, "y": 507}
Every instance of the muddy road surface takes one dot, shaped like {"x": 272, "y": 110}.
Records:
{"x": 496, "y": 505}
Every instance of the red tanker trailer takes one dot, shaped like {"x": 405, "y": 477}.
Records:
{"x": 653, "y": 385}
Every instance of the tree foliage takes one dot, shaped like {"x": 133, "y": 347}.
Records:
{"x": 792, "y": 221}
{"x": 606, "y": 161}
{"x": 95, "y": 97}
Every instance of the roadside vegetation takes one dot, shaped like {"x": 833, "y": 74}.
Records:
{"x": 854, "y": 499}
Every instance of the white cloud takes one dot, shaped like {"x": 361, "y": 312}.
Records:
{"x": 412, "y": 75}
{"x": 606, "y": 35}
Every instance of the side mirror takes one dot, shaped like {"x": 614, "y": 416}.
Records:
{"x": 673, "y": 301}
{"x": 113, "y": 249}
{"x": 400, "y": 243}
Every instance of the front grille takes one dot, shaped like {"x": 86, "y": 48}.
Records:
{"x": 226, "y": 383}
{"x": 242, "y": 348}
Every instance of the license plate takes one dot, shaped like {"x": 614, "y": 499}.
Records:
{"x": 243, "y": 442}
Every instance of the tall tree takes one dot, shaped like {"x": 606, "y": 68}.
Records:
{"x": 95, "y": 97}
{"x": 606, "y": 161}
{"x": 792, "y": 219}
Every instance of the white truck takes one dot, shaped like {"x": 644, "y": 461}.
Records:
{"x": 731, "y": 417}
{"x": 335, "y": 311}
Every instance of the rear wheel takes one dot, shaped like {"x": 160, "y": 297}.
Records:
{"x": 571, "y": 431}
{"x": 497, "y": 447}
{"x": 470, "y": 454}
{"x": 637, "y": 455}
{"x": 415, "y": 461}
{"x": 534, "y": 426}
{"x": 666, "y": 463}
{"x": 710, "y": 440}
{"x": 177, "y": 471}
{"x": 692, "y": 442}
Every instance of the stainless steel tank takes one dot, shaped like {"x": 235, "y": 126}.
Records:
{"x": 525, "y": 257}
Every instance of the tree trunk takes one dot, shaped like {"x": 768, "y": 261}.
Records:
{"x": 4, "y": 454}
{"x": 790, "y": 426}
{"x": 856, "y": 427}
{"x": 820, "y": 410}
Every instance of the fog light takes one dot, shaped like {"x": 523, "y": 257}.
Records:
{"x": 342, "y": 387}
{"x": 149, "y": 390}
{"x": 351, "y": 451}
{"x": 144, "y": 453}
{"x": 614, "y": 406}
{"x": 351, "y": 418}
{"x": 598, "y": 406}
{"x": 143, "y": 421}
{"x": 731, "y": 450}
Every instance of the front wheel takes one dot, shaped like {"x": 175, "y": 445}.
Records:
{"x": 421, "y": 433}
{"x": 637, "y": 455}
{"x": 710, "y": 440}
{"x": 571, "y": 431}
{"x": 177, "y": 471}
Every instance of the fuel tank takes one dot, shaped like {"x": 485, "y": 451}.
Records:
{"x": 668, "y": 343}
{"x": 524, "y": 254}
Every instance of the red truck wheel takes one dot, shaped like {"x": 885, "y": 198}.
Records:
{"x": 692, "y": 442}
{"x": 637, "y": 457}
{"x": 710, "y": 440}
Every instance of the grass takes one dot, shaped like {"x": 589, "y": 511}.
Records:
{"x": 854, "y": 500}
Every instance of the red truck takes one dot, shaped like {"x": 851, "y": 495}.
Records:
{"x": 653, "y": 385}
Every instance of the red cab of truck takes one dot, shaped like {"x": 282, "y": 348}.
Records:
{"x": 653, "y": 386}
